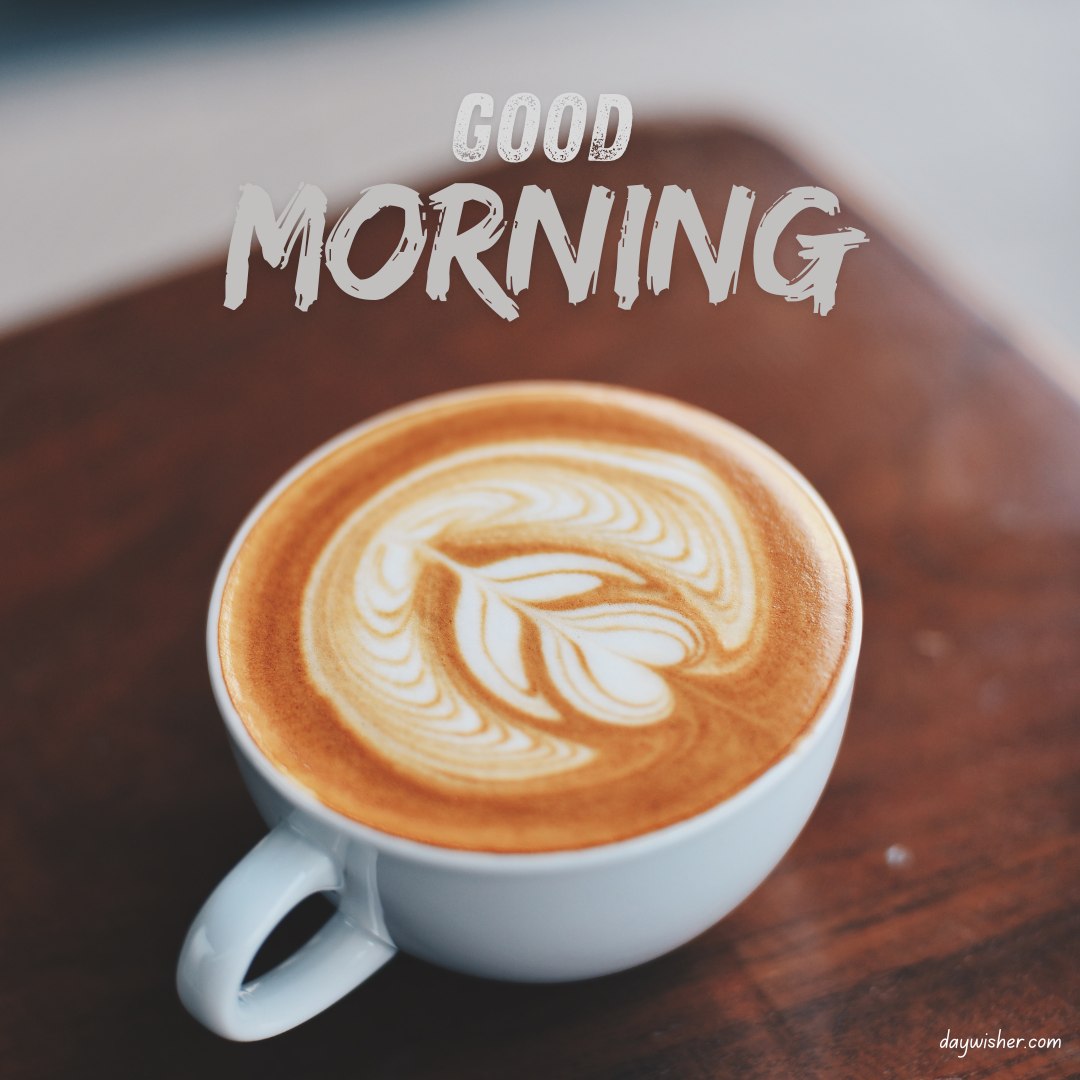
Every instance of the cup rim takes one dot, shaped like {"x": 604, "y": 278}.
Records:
{"x": 832, "y": 710}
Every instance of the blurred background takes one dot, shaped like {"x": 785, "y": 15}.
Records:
{"x": 127, "y": 128}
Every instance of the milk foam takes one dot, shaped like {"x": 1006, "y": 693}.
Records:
{"x": 535, "y": 617}
{"x": 457, "y": 619}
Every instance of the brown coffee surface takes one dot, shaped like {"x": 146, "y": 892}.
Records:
{"x": 535, "y": 617}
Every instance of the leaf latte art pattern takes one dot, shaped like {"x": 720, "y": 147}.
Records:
{"x": 459, "y": 619}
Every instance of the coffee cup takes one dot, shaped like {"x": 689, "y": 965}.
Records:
{"x": 538, "y": 909}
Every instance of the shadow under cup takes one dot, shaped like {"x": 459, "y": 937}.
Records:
{"x": 542, "y": 917}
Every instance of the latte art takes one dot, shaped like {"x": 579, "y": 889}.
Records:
{"x": 631, "y": 568}
{"x": 534, "y": 617}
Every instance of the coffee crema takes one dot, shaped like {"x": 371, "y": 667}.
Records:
{"x": 535, "y": 617}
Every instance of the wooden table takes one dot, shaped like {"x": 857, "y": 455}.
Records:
{"x": 936, "y": 888}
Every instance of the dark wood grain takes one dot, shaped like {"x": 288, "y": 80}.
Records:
{"x": 135, "y": 436}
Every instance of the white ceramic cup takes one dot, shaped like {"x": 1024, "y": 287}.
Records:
{"x": 541, "y": 917}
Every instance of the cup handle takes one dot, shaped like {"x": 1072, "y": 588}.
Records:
{"x": 280, "y": 871}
